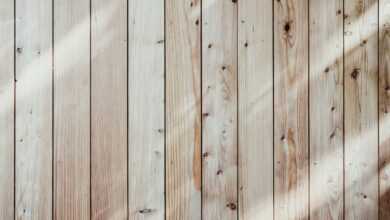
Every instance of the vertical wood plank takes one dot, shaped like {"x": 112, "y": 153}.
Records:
{"x": 146, "y": 109}
{"x": 361, "y": 109}
{"x": 255, "y": 89}
{"x": 183, "y": 110}
{"x": 326, "y": 109}
{"x": 291, "y": 109}
{"x": 109, "y": 109}
{"x": 7, "y": 110}
{"x": 72, "y": 109}
{"x": 219, "y": 109}
{"x": 33, "y": 131}
{"x": 384, "y": 108}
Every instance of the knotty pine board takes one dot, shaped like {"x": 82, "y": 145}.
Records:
{"x": 146, "y": 110}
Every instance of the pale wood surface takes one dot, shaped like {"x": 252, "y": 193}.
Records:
{"x": 384, "y": 109}
{"x": 291, "y": 109}
{"x": 326, "y": 109}
{"x": 33, "y": 127}
{"x": 361, "y": 109}
{"x": 194, "y": 109}
{"x": 183, "y": 110}
{"x": 255, "y": 90}
{"x": 219, "y": 109}
{"x": 146, "y": 110}
{"x": 72, "y": 109}
{"x": 7, "y": 110}
{"x": 109, "y": 109}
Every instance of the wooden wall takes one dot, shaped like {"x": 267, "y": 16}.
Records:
{"x": 194, "y": 109}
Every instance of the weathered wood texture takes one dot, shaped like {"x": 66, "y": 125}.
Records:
{"x": 146, "y": 109}
{"x": 219, "y": 109}
{"x": 255, "y": 90}
{"x": 291, "y": 109}
{"x": 7, "y": 87}
{"x": 384, "y": 109}
{"x": 33, "y": 127}
{"x": 326, "y": 109}
{"x": 361, "y": 109}
{"x": 109, "y": 109}
{"x": 194, "y": 109}
{"x": 72, "y": 109}
{"x": 183, "y": 109}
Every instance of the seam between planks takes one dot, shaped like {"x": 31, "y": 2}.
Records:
{"x": 343, "y": 73}
{"x": 53, "y": 195}
{"x": 165, "y": 107}
{"x": 14, "y": 113}
{"x": 273, "y": 108}
{"x": 308, "y": 109}
{"x": 237, "y": 116}
{"x": 127, "y": 110}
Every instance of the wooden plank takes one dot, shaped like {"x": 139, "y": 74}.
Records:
{"x": 291, "y": 109}
{"x": 183, "y": 110}
{"x": 72, "y": 109}
{"x": 7, "y": 110}
{"x": 109, "y": 109}
{"x": 361, "y": 109}
{"x": 33, "y": 127}
{"x": 255, "y": 77}
{"x": 219, "y": 109}
{"x": 326, "y": 109}
{"x": 146, "y": 109}
{"x": 384, "y": 109}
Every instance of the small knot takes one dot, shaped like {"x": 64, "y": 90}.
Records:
{"x": 287, "y": 27}
{"x": 145, "y": 211}
{"x": 327, "y": 69}
{"x": 355, "y": 73}
{"x": 231, "y": 206}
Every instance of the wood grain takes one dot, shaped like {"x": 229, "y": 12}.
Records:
{"x": 384, "y": 109}
{"x": 219, "y": 109}
{"x": 255, "y": 90}
{"x": 146, "y": 109}
{"x": 109, "y": 109}
{"x": 72, "y": 109}
{"x": 33, "y": 127}
{"x": 183, "y": 110}
{"x": 7, "y": 87}
{"x": 291, "y": 109}
{"x": 326, "y": 109}
{"x": 361, "y": 109}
